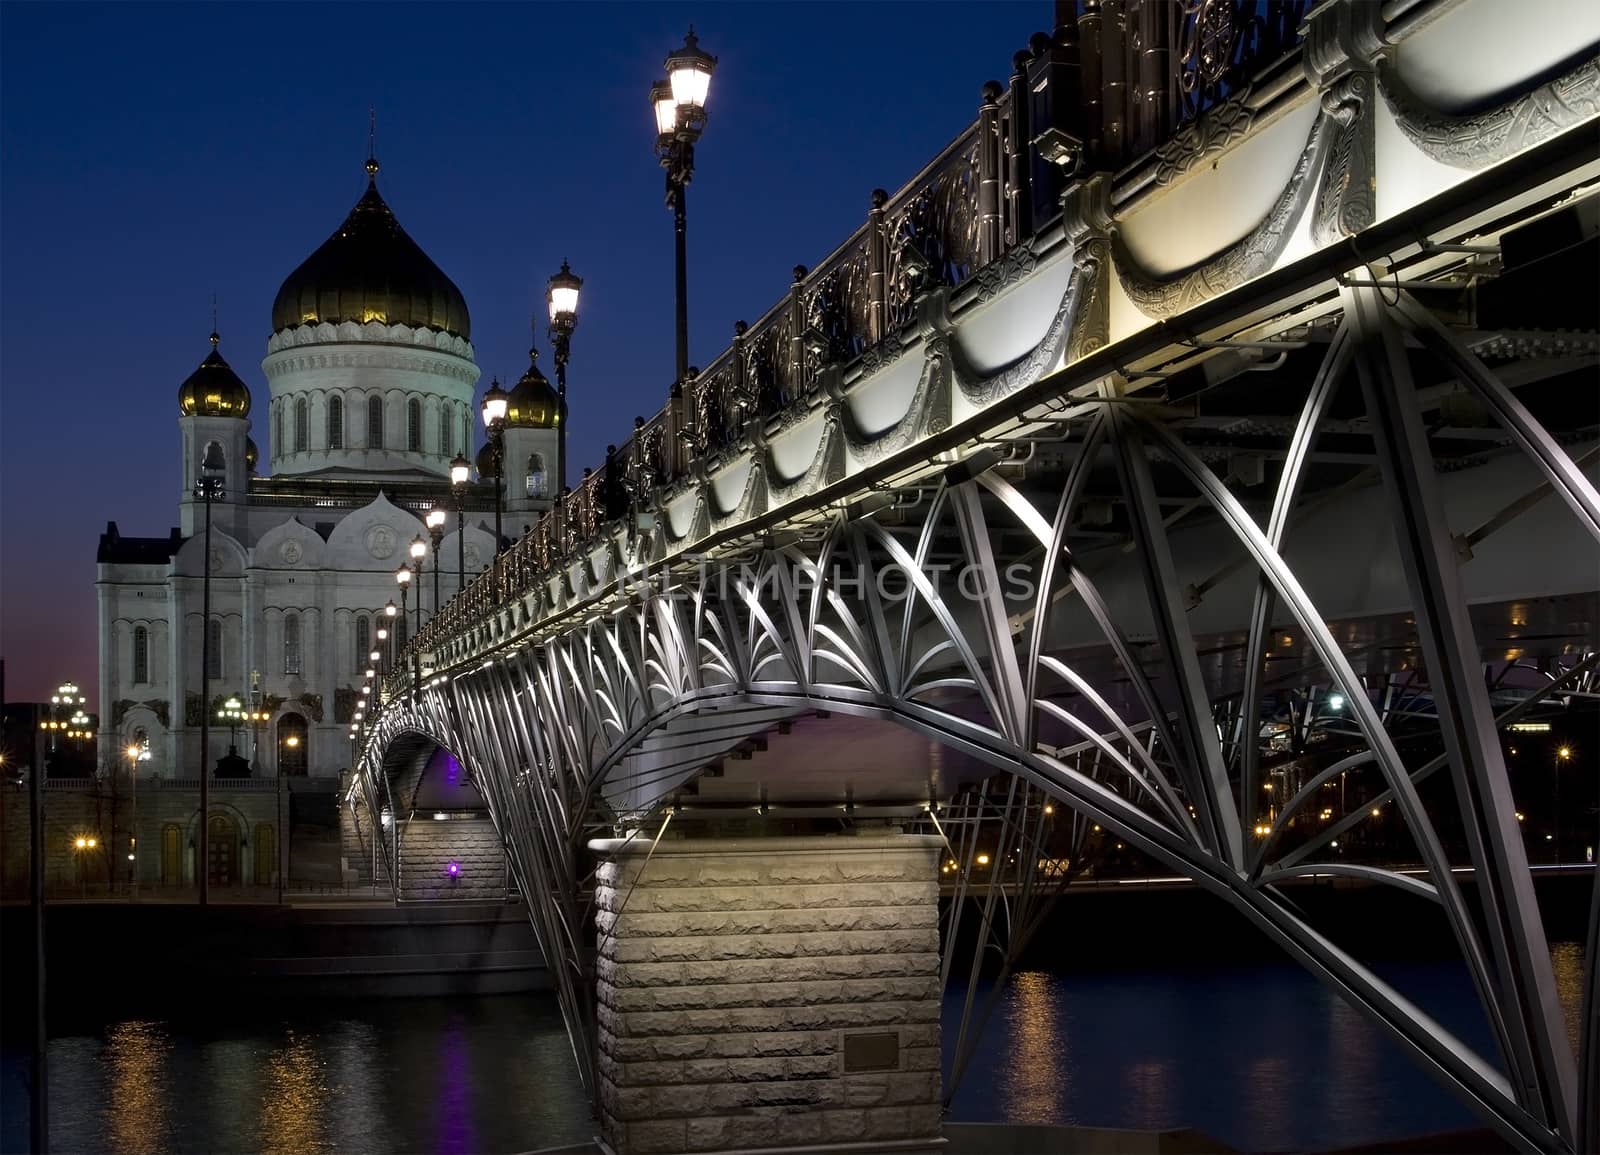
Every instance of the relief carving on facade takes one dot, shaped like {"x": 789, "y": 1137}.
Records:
{"x": 381, "y": 541}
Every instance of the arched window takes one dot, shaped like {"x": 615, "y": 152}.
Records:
{"x": 466, "y": 432}
{"x": 139, "y": 743}
{"x": 538, "y": 480}
{"x": 445, "y": 448}
{"x": 141, "y": 655}
{"x": 397, "y": 633}
{"x": 335, "y": 423}
{"x": 291, "y": 643}
{"x": 292, "y": 739}
{"x": 277, "y": 428}
{"x": 214, "y": 647}
{"x": 414, "y": 425}
{"x": 300, "y": 420}
{"x": 363, "y": 642}
{"x": 374, "y": 422}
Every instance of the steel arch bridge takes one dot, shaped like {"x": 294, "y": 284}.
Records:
{"x": 1105, "y": 565}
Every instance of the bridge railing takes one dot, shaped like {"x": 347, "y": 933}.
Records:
{"x": 1100, "y": 94}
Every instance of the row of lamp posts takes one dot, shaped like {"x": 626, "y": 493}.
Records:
{"x": 679, "y": 106}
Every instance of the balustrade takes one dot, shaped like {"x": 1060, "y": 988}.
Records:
{"x": 1105, "y": 92}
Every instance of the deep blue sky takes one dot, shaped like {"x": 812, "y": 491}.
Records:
{"x": 155, "y": 155}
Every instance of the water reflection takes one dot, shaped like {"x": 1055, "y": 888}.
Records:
{"x": 455, "y": 1113}
{"x": 483, "y": 1075}
{"x": 136, "y": 1112}
{"x": 1037, "y": 1054}
{"x": 294, "y": 1099}
{"x": 1260, "y": 1057}
{"x": 1566, "y": 958}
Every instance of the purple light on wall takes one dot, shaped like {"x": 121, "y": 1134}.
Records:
{"x": 453, "y": 870}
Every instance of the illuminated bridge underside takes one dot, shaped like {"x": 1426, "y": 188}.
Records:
{"x": 1303, "y": 461}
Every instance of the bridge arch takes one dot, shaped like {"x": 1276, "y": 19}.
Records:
{"x": 586, "y": 683}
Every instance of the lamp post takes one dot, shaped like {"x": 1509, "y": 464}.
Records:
{"x": 38, "y": 1099}
{"x": 1563, "y": 753}
{"x": 403, "y": 577}
{"x": 494, "y": 420}
{"x": 137, "y": 753}
{"x": 389, "y": 612}
{"x": 460, "y": 473}
{"x": 419, "y": 551}
{"x": 680, "y": 107}
{"x": 435, "y": 523}
{"x": 207, "y": 489}
{"x": 233, "y": 711}
{"x": 562, "y": 296}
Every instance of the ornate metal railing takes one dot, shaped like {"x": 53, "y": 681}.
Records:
{"x": 994, "y": 188}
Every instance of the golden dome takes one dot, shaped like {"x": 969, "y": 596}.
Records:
{"x": 251, "y": 454}
{"x": 533, "y": 403}
{"x": 370, "y": 270}
{"x": 214, "y": 389}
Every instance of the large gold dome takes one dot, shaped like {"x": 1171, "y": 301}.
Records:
{"x": 370, "y": 270}
{"x": 214, "y": 389}
{"x": 533, "y": 403}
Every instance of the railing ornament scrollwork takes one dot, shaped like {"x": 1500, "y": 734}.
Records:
{"x": 982, "y": 200}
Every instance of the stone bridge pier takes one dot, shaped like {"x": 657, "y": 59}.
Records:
{"x": 774, "y": 993}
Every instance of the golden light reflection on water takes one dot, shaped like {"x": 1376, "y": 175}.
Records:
{"x": 296, "y": 1098}
{"x": 1036, "y": 1088}
{"x": 136, "y": 1053}
{"x": 1566, "y": 959}
{"x": 1150, "y": 1090}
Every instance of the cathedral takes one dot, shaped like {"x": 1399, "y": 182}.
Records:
{"x": 370, "y": 379}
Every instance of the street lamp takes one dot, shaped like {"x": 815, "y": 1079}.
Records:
{"x": 562, "y": 296}
{"x": 137, "y": 752}
{"x": 419, "y": 550}
{"x": 679, "y": 103}
{"x": 1563, "y": 754}
{"x": 494, "y": 420}
{"x": 233, "y": 710}
{"x": 208, "y": 487}
{"x": 403, "y": 577}
{"x": 460, "y": 474}
{"x": 435, "y": 523}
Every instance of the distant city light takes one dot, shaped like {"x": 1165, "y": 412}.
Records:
{"x": 983, "y": 860}
{"x": 1335, "y": 701}
{"x": 1529, "y": 727}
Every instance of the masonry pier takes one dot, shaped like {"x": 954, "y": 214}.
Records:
{"x": 768, "y": 993}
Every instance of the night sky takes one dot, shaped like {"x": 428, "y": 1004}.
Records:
{"x": 157, "y": 155}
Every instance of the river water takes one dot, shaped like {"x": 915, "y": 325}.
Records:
{"x": 1259, "y": 1056}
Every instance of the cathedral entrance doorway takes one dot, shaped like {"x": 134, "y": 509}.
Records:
{"x": 222, "y": 836}
{"x": 292, "y": 745}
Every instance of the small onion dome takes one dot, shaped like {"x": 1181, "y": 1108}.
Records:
{"x": 533, "y": 403}
{"x": 485, "y": 462}
{"x": 251, "y": 455}
{"x": 370, "y": 270}
{"x": 214, "y": 389}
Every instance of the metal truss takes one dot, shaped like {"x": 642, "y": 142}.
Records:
{"x": 596, "y": 723}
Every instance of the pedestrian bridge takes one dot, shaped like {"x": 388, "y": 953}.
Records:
{"x": 1179, "y": 454}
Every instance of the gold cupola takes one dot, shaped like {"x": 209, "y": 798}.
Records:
{"x": 533, "y": 403}
{"x": 214, "y": 389}
{"x": 371, "y": 270}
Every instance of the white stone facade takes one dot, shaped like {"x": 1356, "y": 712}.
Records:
{"x": 328, "y": 381}
{"x": 768, "y": 993}
{"x": 301, "y": 566}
